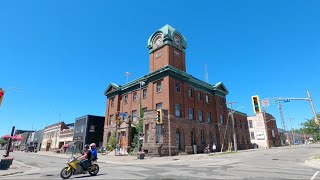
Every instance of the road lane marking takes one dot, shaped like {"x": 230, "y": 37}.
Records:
{"x": 315, "y": 175}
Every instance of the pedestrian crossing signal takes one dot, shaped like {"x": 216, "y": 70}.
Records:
{"x": 256, "y": 104}
{"x": 159, "y": 116}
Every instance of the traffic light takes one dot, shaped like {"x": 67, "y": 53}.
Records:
{"x": 117, "y": 117}
{"x": 159, "y": 116}
{"x": 1, "y": 95}
{"x": 256, "y": 104}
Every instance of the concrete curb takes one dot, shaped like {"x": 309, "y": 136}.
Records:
{"x": 311, "y": 162}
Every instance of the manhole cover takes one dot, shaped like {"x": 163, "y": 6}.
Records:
{"x": 49, "y": 175}
{"x": 275, "y": 159}
{"x": 176, "y": 159}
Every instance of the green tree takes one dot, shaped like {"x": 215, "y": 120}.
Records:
{"x": 3, "y": 142}
{"x": 112, "y": 142}
{"x": 310, "y": 127}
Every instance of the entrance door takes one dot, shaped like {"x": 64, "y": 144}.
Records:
{"x": 178, "y": 139}
{"x": 123, "y": 141}
{"x": 48, "y": 146}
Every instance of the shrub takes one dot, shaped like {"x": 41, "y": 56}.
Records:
{"x": 112, "y": 142}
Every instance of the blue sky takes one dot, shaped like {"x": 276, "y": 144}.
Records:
{"x": 61, "y": 55}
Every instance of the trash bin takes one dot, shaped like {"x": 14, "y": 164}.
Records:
{"x": 195, "y": 151}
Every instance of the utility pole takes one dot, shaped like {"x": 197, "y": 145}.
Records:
{"x": 282, "y": 120}
{"x": 292, "y": 133}
{"x": 234, "y": 132}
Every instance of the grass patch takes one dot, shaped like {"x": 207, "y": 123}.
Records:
{"x": 317, "y": 157}
{"x": 225, "y": 153}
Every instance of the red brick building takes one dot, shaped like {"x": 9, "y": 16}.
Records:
{"x": 194, "y": 112}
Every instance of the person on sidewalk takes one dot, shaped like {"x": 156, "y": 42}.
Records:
{"x": 214, "y": 147}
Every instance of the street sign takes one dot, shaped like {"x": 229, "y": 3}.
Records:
{"x": 281, "y": 101}
{"x": 123, "y": 114}
{"x": 265, "y": 102}
{"x": 286, "y": 100}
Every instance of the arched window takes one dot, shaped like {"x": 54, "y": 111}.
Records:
{"x": 193, "y": 141}
{"x": 178, "y": 139}
{"x": 202, "y": 137}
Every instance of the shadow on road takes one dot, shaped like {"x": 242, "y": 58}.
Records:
{"x": 87, "y": 176}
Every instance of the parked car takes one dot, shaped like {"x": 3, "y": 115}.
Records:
{"x": 30, "y": 149}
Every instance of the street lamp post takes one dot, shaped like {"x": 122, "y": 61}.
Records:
{"x": 142, "y": 83}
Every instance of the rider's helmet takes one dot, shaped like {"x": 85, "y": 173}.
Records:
{"x": 93, "y": 145}
{"x": 86, "y": 146}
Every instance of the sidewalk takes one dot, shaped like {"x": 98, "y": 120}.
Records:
{"x": 313, "y": 162}
{"x": 112, "y": 159}
{"x": 15, "y": 168}
{"x": 130, "y": 159}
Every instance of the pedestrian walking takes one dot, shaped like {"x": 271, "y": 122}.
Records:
{"x": 214, "y": 147}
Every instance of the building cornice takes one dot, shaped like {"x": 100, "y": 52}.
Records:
{"x": 218, "y": 89}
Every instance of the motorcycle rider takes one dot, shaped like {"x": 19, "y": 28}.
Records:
{"x": 85, "y": 158}
{"x": 94, "y": 153}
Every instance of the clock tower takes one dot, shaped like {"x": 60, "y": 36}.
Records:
{"x": 167, "y": 47}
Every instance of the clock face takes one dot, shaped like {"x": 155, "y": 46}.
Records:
{"x": 177, "y": 40}
{"x": 157, "y": 41}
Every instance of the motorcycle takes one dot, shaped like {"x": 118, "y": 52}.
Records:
{"x": 74, "y": 168}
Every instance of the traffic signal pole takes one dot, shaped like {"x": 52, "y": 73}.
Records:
{"x": 313, "y": 109}
{"x": 281, "y": 100}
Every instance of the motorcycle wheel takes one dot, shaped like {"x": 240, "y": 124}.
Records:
{"x": 65, "y": 174}
{"x": 93, "y": 170}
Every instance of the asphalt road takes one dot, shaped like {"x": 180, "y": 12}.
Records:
{"x": 277, "y": 163}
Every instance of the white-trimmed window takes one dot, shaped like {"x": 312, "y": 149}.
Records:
{"x": 134, "y": 115}
{"x": 144, "y": 93}
{"x": 159, "y": 88}
{"x": 159, "y": 106}
{"x": 126, "y": 99}
{"x": 202, "y": 137}
{"x": 111, "y": 120}
{"x": 200, "y": 115}
{"x": 252, "y": 135}
{"x": 135, "y": 96}
{"x": 199, "y": 96}
{"x": 209, "y": 117}
{"x": 178, "y": 87}
{"x": 190, "y": 113}
{"x": 250, "y": 124}
{"x": 207, "y": 99}
{"x": 112, "y": 101}
{"x": 190, "y": 93}
{"x": 178, "y": 110}
{"x": 221, "y": 119}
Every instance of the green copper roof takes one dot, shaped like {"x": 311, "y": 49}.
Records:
{"x": 218, "y": 88}
{"x": 167, "y": 32}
